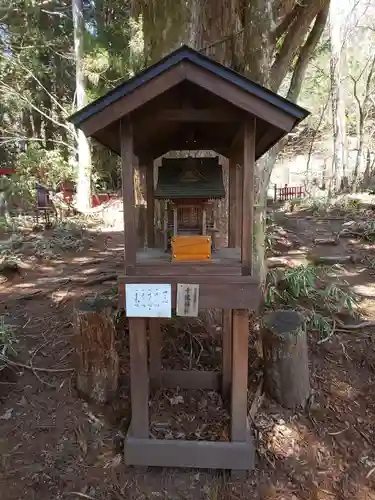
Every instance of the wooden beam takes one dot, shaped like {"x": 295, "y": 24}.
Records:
{"x": 248, "y": 196}
{"x": 240, "y": 347}
{"x": 221, "y": 292}
{"x": 183, "y": 138}
{"x": 188, "y": 269}
{"x": 232, "y": 227}
{"x": 269, "y": 137}
{"x": 134, "y": 100}
{"x": 139, "y": 382}
{"x": 149, "y": 171}
{"x": 190, "y": 379}
{"x": 198, "y": 454}
{"x": 199, "y": 115}
{"x": 239, "y": 97}
{"x": 127, "y": 170}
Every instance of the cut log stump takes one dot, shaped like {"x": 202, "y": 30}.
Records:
{"x": 97, "y": 359}
{"x": 286, "y": 358}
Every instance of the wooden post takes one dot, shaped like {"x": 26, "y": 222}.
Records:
{"x": 227, "y": 353}
{"x": 127, "y": 169}
{"x": 97, "y": 359}
{"x": 149, "y": 170}
{"x": 204, "y": 220}
{"x": 175, "y": 221}
{"x": 165, "y": 223}
{"x": 239, "y": 193}
{"x": 155, "y": 340}
{"x": 140, "y": 213}
{"x": 232, "y": 218}
{"x": 248, "y": 197}
{"x": 240, "y": 334}
{"x": 139, "y": 381}
{"x": 286, "y": 358}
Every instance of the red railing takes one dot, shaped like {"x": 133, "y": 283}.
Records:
{"x": 288, "y": 192}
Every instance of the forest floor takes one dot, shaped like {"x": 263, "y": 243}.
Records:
{"x": 54, "y": 445}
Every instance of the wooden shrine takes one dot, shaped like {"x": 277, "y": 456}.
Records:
{"x": 189, "y": 102}
{"x": 188, "y": 187}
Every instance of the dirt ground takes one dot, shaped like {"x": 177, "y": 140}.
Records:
{"x": 54, "y": 445}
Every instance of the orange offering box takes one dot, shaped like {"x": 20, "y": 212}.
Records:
{"x": 191, "y": 248}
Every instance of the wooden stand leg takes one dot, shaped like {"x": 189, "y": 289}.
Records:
{"x": 155, "y": 338}
{"x": 240, "y": 334}
{"x": 227, "y": 353}
{"x": 139, "y": 383}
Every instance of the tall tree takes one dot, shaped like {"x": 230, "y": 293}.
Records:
{"x": 339, "y": 10}
{"x": 83, "y": 146}
{"x": 264, "y": 39}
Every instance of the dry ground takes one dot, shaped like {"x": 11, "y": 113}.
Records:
{"x": 54, "y": 445}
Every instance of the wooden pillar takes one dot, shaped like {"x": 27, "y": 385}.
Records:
{"x": 139, "y": 382}
{"x": 204, "y": 220}
{"x": 127, "y": 170}
{"x": 149, "y": 171}
{"x": 165, "y": 228}
{"x": 175, "y": 228}
{"x": 155, "y": 339}
{"x": 232, "y": 218}
{"x": 227, "y": 353}
{"x": 238, "y": 221}
{"x": 248, "y": 196}
{"x": 240, "y": 333}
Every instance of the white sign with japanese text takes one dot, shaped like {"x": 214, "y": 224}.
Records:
{"x": 148, "y": 301}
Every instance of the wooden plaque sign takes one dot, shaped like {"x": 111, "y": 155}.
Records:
{"x": 187, "y": 300}
{"x": 148, "y": 301}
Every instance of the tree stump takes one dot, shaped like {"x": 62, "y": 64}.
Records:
{"x": 97, "y": 359}
{"x": 286, "y": 358}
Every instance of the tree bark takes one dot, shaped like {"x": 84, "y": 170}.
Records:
{"x": 362, "y": 110}
{"x": 286, "y": 358}
{"x": 97, "y": 359}
{"x": 240, "y": 35}
{"x": 306, "y": 52}
{"x": 83, "y": 145}
{"x": 293, "y": 39}
{"x": 339, "y": 157}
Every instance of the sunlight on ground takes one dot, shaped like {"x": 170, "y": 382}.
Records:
{"x": 285, "y": 441}
{"x": 345, "y": 390}
{"x": 364, "y": 290}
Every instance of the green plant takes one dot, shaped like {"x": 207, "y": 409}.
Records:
{"x": 292, "y": 287}
{"x": 321, "y": 324}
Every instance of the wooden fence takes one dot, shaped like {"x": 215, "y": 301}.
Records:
{"x": 288, "y": 192}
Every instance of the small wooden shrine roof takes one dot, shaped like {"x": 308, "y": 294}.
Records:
{"x": 183, "y": 178}
{"x": 187, "y": 101}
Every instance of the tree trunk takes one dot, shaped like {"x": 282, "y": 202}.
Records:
{"x": 83, "y": 146}
{"x": 242, "y": 36}
{"x": 286, "y": 358}
{"x": 97, "y": 359}
{"x": 339, "y": 157}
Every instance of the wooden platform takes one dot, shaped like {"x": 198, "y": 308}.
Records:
{"x": 153, "y": 261}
